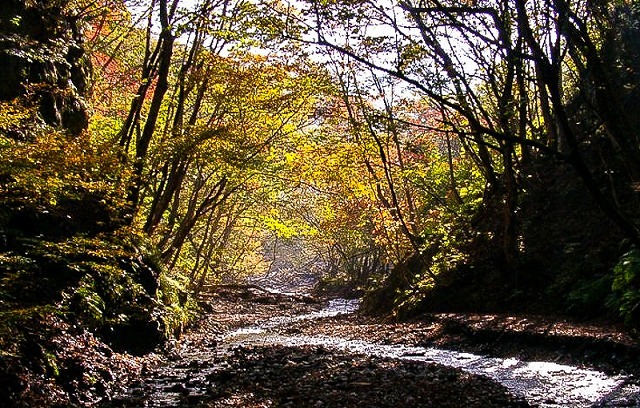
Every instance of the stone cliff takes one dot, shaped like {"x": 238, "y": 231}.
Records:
{"x": 43, "y": 62}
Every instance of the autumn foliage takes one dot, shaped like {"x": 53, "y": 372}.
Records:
{"x": 440, "y": 156}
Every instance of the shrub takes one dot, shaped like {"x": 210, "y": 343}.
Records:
{"x": 626, "y": 288}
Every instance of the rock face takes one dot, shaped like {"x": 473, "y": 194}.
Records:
{"x": 43, "y": 61}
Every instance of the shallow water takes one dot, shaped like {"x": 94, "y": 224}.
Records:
{"x": 544, "y": 384}
{"x": 335, "y": 307}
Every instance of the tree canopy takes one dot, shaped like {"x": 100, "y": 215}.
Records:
{"x": 407, "y": 149}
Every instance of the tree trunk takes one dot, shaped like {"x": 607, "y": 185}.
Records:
{"x": 162, "y": 85}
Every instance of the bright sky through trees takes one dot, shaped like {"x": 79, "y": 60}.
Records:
{"x": 386, "y": 128}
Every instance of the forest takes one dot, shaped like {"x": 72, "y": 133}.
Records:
{"x": 426, "y": 156}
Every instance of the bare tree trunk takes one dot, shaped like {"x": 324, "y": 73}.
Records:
{"x": 162, "y": 85}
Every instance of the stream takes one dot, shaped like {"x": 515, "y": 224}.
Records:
{"x": 543, "y": 384}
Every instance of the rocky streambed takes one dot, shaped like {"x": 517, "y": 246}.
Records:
{"x": 261, "y": 353}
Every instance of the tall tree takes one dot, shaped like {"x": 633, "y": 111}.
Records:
{"x": 497, "y": 70}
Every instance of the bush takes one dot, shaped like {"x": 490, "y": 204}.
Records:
{"x": 180, "y": 308}
{"x": 626, "y": 288}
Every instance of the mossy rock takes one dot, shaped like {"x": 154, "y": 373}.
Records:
{"x": 41, "y": 54}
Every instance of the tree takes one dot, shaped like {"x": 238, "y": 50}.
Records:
{"x": 193, "y": 134}
{"x": 496, "y": 70}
